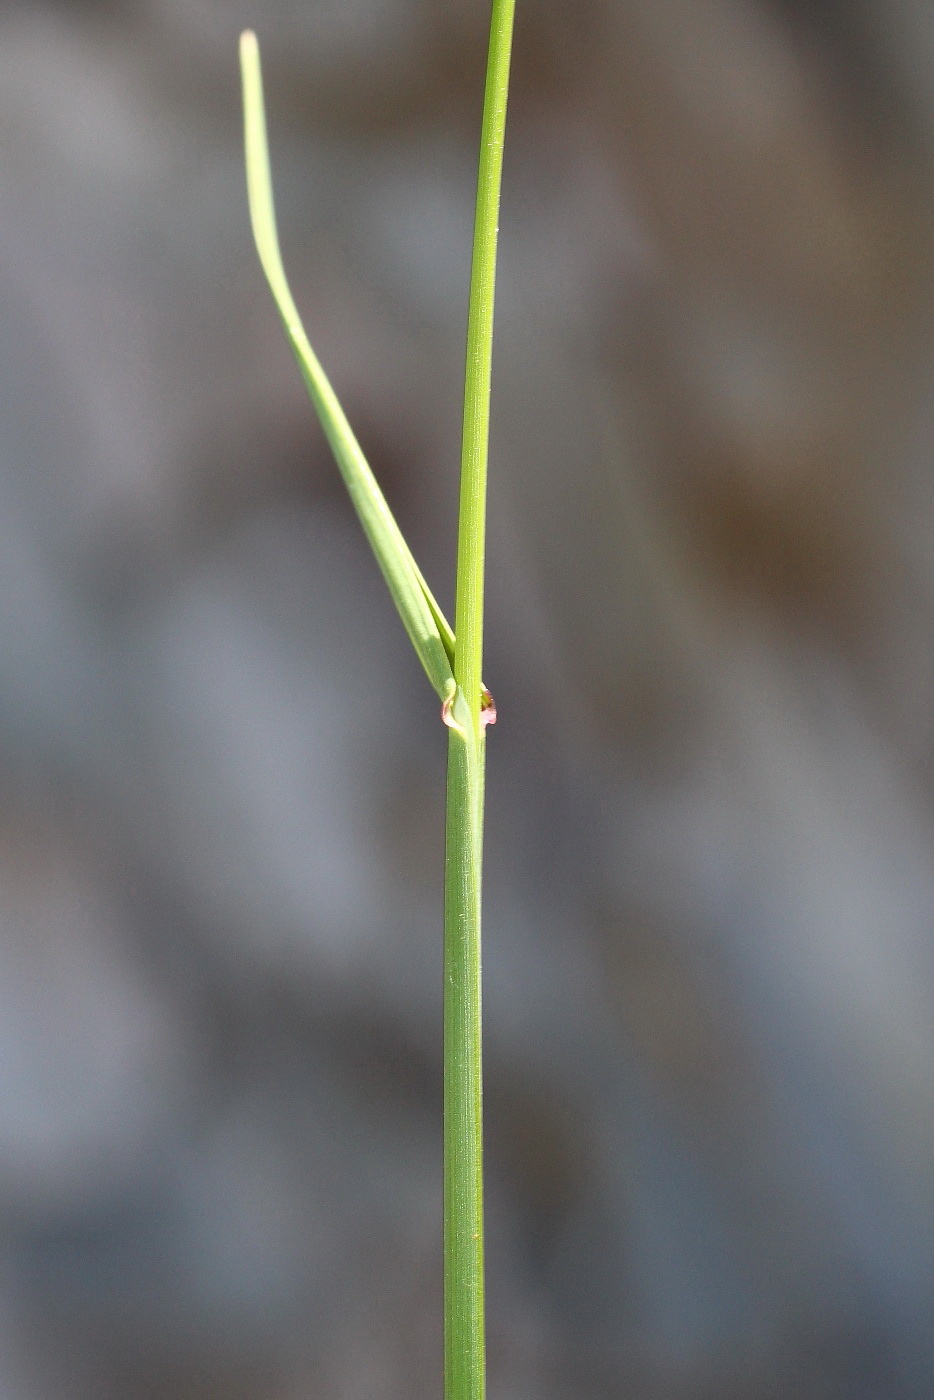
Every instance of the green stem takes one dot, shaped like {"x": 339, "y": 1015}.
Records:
{"x": 471, "y": 539}
{"x": 464, "y": 1341}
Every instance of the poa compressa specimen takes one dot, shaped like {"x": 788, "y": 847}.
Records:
{"x": 452, "y": 662}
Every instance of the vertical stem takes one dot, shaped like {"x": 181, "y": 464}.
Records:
{"x": 464, "y": 1346}
{"x": 471, "y": 538}
{"x": 464, "y": 1341}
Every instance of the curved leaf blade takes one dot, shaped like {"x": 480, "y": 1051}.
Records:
{"x": 428, "y": 630}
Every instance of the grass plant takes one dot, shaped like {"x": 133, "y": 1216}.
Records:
{"x": 453, "y": 663}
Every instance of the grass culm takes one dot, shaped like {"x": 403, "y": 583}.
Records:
{"x": 452, "y": 660}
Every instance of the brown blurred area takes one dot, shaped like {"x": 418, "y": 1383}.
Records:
{"x": 709, "y": 962}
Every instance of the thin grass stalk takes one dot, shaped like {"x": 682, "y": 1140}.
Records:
{"x": 464, "y": 1327}
{"x": 453, "y": 665}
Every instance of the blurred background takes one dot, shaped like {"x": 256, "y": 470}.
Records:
{"x": 709, "y": 962}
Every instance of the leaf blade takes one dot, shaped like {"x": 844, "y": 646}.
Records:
{"x": 427, "y": 627}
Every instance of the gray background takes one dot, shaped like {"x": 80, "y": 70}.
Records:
{"x": 709, "y": 962}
